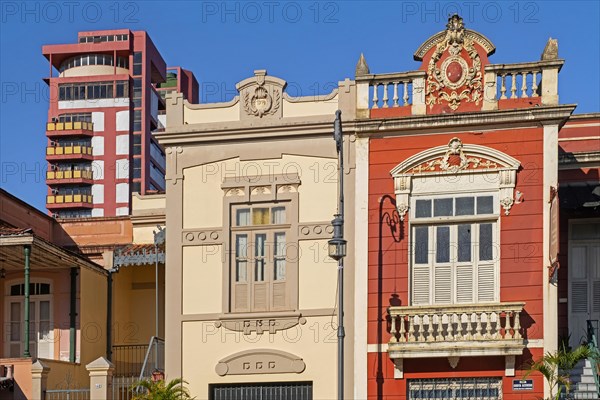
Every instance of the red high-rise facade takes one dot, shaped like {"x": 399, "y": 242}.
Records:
{"x": 106, "y": 97}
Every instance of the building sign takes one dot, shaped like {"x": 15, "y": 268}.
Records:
{"x": 522, "y": 384}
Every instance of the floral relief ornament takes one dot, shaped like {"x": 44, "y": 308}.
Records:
{"x": 455, "y": 148}
{"x": 454, "y": 81}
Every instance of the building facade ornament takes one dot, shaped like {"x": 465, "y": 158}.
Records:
{"x": 454, "y": 70}
{"x": 259, "y": 325}
{"x": 261, "y": 95}
{"x": 362, "y": 68}
{"x": 551, "y": 50}
{"x": 456, "y": 158}
{"x": 260, "y": 361}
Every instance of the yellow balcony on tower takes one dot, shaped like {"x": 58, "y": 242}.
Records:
{"x": 69, "y": 200}
{"x": 68, "y": 152}
{"x": 69, "y": 128}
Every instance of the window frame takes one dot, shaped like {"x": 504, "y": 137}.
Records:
{"x": 274, "y": 191}
{"x": 454, "y": 221}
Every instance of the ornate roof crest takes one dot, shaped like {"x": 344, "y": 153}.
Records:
{"x": 458, "y": 77}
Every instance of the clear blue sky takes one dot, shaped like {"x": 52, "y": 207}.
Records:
{"x": 311, "y": 45}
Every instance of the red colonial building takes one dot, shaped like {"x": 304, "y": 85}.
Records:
{"x": 463, "y": 223}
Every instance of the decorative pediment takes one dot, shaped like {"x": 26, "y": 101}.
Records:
{"x": 261, "y": 96}
{"x": 457, "y": 158}
{"x": 260, "y": 361}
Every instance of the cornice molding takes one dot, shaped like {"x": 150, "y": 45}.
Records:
{"x": 502, "y": 119}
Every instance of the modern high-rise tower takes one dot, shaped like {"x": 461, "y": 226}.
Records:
{"x": 106, "y": 97}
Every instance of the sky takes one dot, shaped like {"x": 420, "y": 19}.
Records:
{"x": 310, "y": 44}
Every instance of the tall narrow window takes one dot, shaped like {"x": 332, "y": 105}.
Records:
{"x": 259, "y": 264}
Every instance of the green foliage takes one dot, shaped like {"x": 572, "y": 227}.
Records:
{"x": 556, "y": 367}
{"x": 148, "y": 389}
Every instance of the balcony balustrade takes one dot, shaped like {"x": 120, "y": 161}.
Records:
{"x": 73, "y": 150}
{"x": 456, "y": 331}
{"x": 69, "y": 128}
{"x": 69, "y": 199}
{"x": 69, "y": 174}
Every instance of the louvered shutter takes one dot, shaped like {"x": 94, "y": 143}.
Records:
{"x": 279, "y": 296}
{"x": 594, "y": 262}
{"x": 486, "y": 283}
{"x": 579, "y": 281}
{"x": 464, "y": 284}
{"x": 420, "y": 284}
{"x": 240, "y": 285}
{"x": 442, "y": 284}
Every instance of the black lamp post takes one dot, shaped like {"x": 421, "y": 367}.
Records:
{"x": 337, "y": 249}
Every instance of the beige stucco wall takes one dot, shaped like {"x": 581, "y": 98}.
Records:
{"x": 310, "y": 108}
{"x": 317, "y": 275}
{"x": 317, "y": 190}
{"x": 202, "y": 277}
{"x": 314, "y": 342}
{"x": 226, "y": 112}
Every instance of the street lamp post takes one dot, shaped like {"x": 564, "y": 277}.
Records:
{"x": 337, "y": 248}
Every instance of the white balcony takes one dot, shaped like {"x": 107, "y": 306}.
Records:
{"x": 455, "y": 331}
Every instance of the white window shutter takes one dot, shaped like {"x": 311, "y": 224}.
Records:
{"x": 464, "y": 284}
{"x": 420, "y": 284}
{"x": 486, "y": 283}
{"x": 279, "y": 296}
{"x": 442, "y": 284}
{"x": 240, "y": 297}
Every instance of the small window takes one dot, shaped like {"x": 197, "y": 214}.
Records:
{"x": 442, "y": 207}
{"x": 485, "y": 205}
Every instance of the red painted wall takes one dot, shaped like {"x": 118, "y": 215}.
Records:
{"x": 521, "y": 264}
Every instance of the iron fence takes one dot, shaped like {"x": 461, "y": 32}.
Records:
{"x": 263, "y": 391}
{"x": 67, "y": 394}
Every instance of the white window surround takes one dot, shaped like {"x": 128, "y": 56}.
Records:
{"x": 461, "y": 280}
{"x": 466, "y": 167}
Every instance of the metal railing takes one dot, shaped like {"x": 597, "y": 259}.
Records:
{"x": 155, "y": 357}
{"x": 67, "y": 394}
{"x": 129, "y": 359}
{"x": 69, "y": 198}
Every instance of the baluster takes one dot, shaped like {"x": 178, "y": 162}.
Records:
{"x": 375, "y": 98}
{"x": 534, "y": 86}
{"x": 507, "y": 325}
{"x": 517, "y": 326}
{"x": 450, "y": 322}
{"x": 488, "y": 325}
{"x": 385, "y": 96}
{"x": 393, "y": 329}
{"x": 395, "y": 99}
{"x": 503, "y": 87}
{"x": 411, "y": 328}
{"x": 524, "y": 85}
{"x": 421, "y": 329}
{"x": 439, "y": 336}
{"x": 402, "y": 335}
{"x": 497, "y": 327}
{"x": 469, "y": 329}
{"x": 405, "y": 96}
{"x": 513, "y": 86}
{"x": 430, "y": 329}
{"x": 478, "y": 326}
{"x": 459, "y": 329}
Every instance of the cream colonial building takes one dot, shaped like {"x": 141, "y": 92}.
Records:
{"x": 251, "y": 192}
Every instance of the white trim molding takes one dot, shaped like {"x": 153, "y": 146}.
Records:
{"x": 456, "y": 158}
